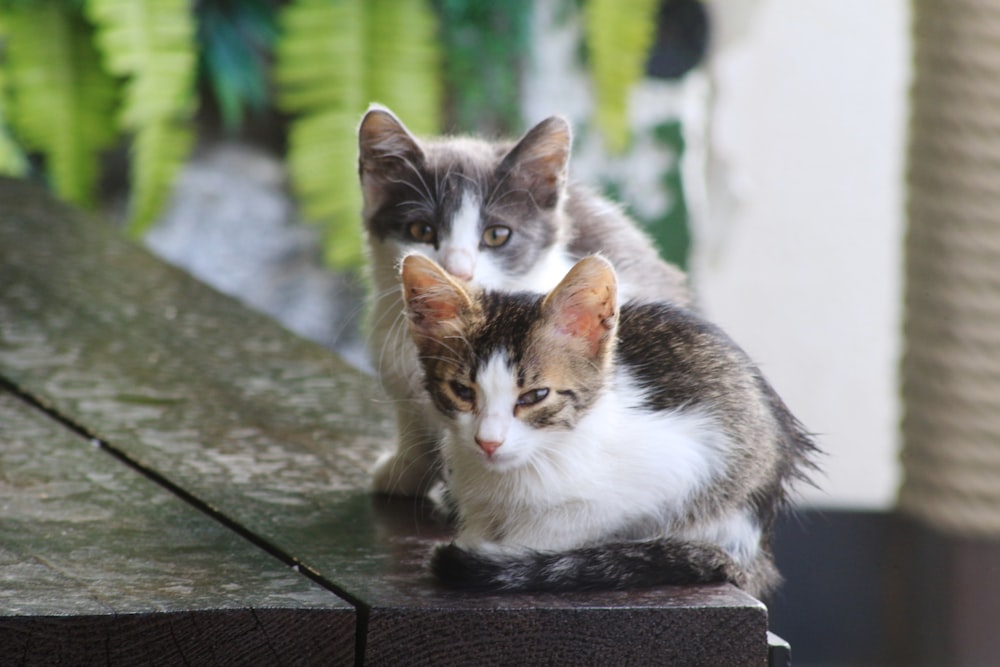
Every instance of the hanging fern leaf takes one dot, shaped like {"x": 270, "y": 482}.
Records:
{"x": 158, "y": 148}
{"x": 333, "y": 58}
{"x": 12, "y": 160}
{"x": 403, "y": 61}
{"x": 151, "y": 44}
{"x": 61, "y": 98}
{"x": 320, "y": 73}
{"x": 619, "y": 34}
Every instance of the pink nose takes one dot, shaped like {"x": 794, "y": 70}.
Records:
{"x": 462, "y": 273}
{"x": 459, "y": 263}
{"x": 488, "y": 446}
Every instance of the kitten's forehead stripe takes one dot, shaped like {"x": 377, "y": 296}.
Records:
{"x": 506, "y": 322}
{"x": 464, "y": 222}
{"x": 496, "y": 380}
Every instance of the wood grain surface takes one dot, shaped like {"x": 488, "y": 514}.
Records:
{"x": 99, "y": 563}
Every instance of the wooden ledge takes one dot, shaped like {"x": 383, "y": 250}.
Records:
{"x": 174, "y": 455}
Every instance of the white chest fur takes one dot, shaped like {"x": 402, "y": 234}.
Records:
{"x": 555, "y": 490}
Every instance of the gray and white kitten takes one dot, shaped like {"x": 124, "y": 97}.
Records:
{"x": 595, "y": 446}
{"x": 501, "y": 215}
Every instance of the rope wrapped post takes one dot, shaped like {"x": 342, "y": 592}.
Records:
{"x": 951, "y": 364}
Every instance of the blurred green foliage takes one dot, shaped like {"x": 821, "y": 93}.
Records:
{"x": 332, "y": 59}
{"x": 487, "y": 45}
{"x": 64, "y": 98}
{"x": 619, "y": 34}
{"x": 79, "y": 77}
{"x": 671, "y": 230}
{"x": 235, "y": 39}
{"x": 79, "y": 74}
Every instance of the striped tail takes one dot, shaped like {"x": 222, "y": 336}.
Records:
{"x": 619, "y": 565}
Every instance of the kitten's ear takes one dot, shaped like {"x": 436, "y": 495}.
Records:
{"x": 434, "y": 300}
{"x": 583, "y": 308}
{"x": 385, "y": 147}
{"x": 382, "y": 136}
{"x": 540, "y": 160}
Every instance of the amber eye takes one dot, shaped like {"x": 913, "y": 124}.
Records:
{"x": 422, "y": 232}
{"x": 496, "y": 236}
{"x": 462, "y": 391}
{"x": 532, "y": 397}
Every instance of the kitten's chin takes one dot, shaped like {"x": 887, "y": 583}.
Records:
{"x": 461, "y": 450}
{"x": 501, "y": 461}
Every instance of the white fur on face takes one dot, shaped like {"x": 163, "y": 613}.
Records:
{"x": 494, "y": 420}
{"x": 460, "y": 251}
{"x": 461, "y": 254}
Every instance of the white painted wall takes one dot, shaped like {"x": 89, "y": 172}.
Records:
{"x": 797, "y": 139}
{"x": 799, "y": 255}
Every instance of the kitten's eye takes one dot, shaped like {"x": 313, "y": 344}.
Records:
{"x": 422, "y": 232}
{"x": 532, "y": 397}
{"x": 462, "y": 391}
{"x": 496, "y": 235}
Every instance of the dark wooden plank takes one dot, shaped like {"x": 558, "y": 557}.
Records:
{"x": 278, "y": 435}
{"x": 413, "y": 621}
{"x": 779, "y": 651}
{"x": 98, "y": 563}
{"x": 237, "y": 637}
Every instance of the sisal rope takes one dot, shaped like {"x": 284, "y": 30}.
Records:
{"x": 951, "y": 363}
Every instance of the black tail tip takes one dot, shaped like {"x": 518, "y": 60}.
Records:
{"x": 460, "y": 569}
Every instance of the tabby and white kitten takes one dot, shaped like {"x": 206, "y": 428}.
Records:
{"x": 592, "y": 446}
{"x": 499, "y": 214}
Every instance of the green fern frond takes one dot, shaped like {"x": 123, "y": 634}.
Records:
{"x": 151, "y": 44}
{"x": 157, "y": 149}
{"x": 403, "y": 61}
{"x": 61, "y": 99}
{"x": 320, "y": 55}
{"x": 12, "y": 160}
{"x": 619, "y": 34}
{"x": 333, "y": 57}
{"x": 320, "y": 73}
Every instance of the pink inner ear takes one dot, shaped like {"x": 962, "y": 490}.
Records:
{"x": 576, "y": 321}
{"x": 585, "y": 317}
{"x": 427, "y": 306}
{"x": 431, "y": 296}
{"x": 584, "y": 305}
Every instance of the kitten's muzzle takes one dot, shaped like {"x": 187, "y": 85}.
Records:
{"x": 488, "y": 446}
{"x": 459, "y": 263}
